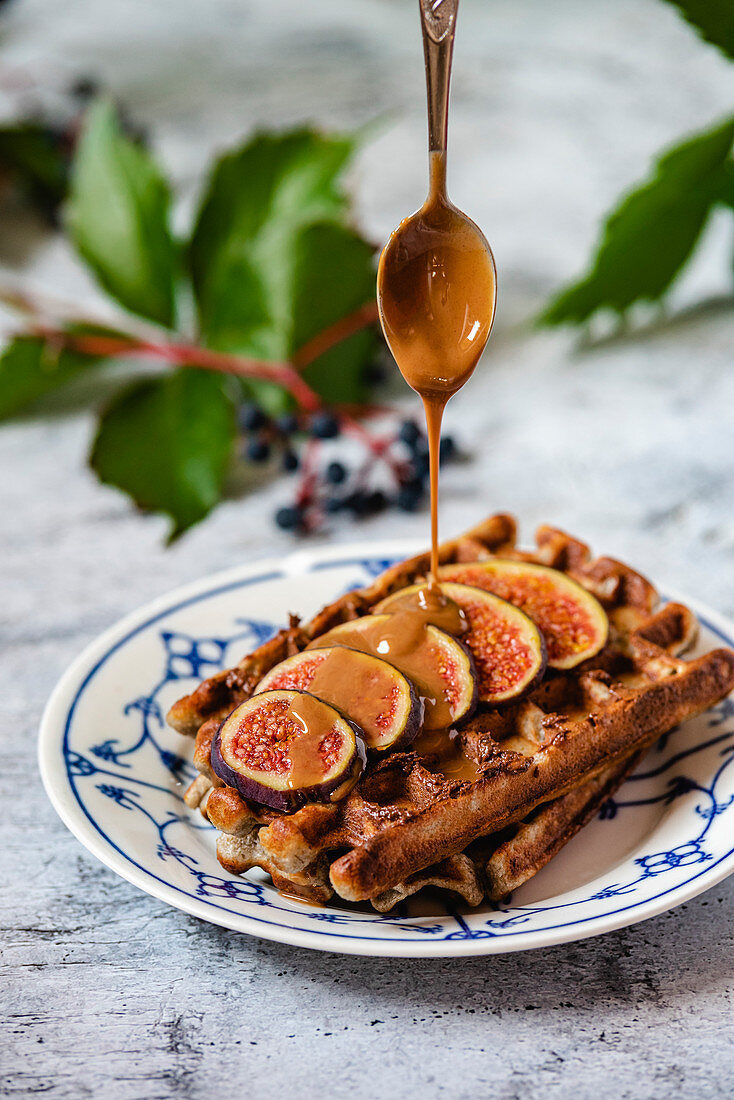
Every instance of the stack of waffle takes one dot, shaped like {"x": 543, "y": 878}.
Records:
{"x": 542, "y": 765}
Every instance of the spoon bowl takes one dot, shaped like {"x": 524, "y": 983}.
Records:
{"x": 437, "y": 293}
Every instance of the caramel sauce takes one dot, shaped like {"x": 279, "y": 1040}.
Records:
{"x": 441, "y": 750}
{"x": 308, "y": 712}
{"x": 436, "y": 291}
{"x": 299, "y": 898}
{"x": 437, "y": 295}
{"x": 399, "y": 637}
{"x": 429, "y": 605}
{"x": 402, "y": 641}
{"x": 344, "y": 682}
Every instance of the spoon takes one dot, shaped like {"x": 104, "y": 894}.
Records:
{"x": 436, "y": 281}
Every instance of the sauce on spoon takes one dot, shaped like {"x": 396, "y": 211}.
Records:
{"x": 436, "y": 282}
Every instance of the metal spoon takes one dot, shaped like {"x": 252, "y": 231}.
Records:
{"x": 436, "y": 281}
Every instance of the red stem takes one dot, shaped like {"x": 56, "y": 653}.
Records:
{"x": 191, "y": 355}
{"x": 308, "y": 472}
{"x": 186, "y": 355}
{"x": 334, "y": 334}
{"x": 378, "y": 445}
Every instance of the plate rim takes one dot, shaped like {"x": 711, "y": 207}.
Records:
{"x": 76, "y": 819}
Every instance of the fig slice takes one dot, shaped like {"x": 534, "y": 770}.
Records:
{"x": 285, "y": 748}
{"x": 507, "y": 647}
{"x": 366, "y": 689}
{"x": 572, "y": 621}
{"x": 440, "y": 668}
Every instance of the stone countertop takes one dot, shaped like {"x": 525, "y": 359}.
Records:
{"x": 556, "y": 108}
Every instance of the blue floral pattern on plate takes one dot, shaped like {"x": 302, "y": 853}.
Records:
{"x": 116, "y": 773}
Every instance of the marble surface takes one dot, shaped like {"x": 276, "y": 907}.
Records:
{"x": 106, "y": 992}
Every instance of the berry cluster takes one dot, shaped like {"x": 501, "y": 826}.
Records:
{"x": 334, "y": 486}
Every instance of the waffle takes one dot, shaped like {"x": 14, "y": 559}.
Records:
{"x": 539, "y": 768}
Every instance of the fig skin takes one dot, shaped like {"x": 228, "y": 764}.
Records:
{"x": 257, "y": 789}
{"x": 403, "y": 730}
{"x": 506, "y": 577}
{"x": 471, "y": 600}
{"x": 460, "y": 653}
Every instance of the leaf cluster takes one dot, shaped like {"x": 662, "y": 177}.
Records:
{"x": 270, "y": 261}
{"x": 647, "y": 239}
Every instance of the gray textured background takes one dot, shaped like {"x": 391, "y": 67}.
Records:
{"x": 106, "y": 992}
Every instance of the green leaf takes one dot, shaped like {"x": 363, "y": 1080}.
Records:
{"x": 30, "y": 368}
{"x": 254, "y": 208}
{"x": 167, "y": 443}
{"x": 651, "y": 234}
{"x": 713, "y": 19}
{"x": 118, "y": 217}
{"x": 333, "y": 275}
{"x": 273, "y": 265}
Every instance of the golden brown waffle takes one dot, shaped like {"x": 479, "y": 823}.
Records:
{"x": 538, "y": 769}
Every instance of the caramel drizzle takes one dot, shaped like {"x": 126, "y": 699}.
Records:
{"x": 441, "y": 749}
{"x": 399, "y": 636}
{"x": 437, "y": 301}
{"x": 347, "y": 684}
{"x": 437, "y": 295}
{"x": 316, "y": 721}
{"x": 429, "y": 605}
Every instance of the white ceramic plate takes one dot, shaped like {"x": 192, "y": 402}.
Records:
{"x": 116, "y": 775}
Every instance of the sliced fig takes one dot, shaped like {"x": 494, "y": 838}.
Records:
{"x": 507, "y": 647}
{"x": 367, "y": 689}
{"x": 284, "y": 748}
{"x": 440, "y": 667}
{"x": 572, "y": 621}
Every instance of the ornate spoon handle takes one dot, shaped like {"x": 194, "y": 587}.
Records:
{"x": 438, "y": 20}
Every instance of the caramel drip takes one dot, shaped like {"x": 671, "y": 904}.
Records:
{"x": 405, "y": 644}
{"x": 400, "y": 637}
{"x": 441, "y": 750}
{"x": 433, "y": 409}
{"x": 316, "y": 721}
{"x": 342, "y": 681}
{"x": 299, "y": 898}
{"x": 437, "y": 300}
{"x": 430, "y": 605}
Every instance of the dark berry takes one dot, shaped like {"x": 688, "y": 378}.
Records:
{"x": 251, "y": 418}
{"x": 421, "y": 465}
{"x": 334, "y": 504}
{"x": 376, "y": 502}
{"x": 409, "y": 433}
{"x": 324, "y": 425}
{"x": 408, "y": 500}
{"x": 85, "y": 87}
{"x": 291, "y": 461}
{"x": 289, "y": 518}
{"x": 448, "y": 449}
{"x": 375, "y": 374}
{"x": 413, "y": 483}
{"x": 357, "y": 503}
{"x": 258, "y": 450}
{"x": 286, "y": 423}
{"x": 336, "y": 473}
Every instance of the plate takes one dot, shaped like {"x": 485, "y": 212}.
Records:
{"x": 116, "y": 775}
